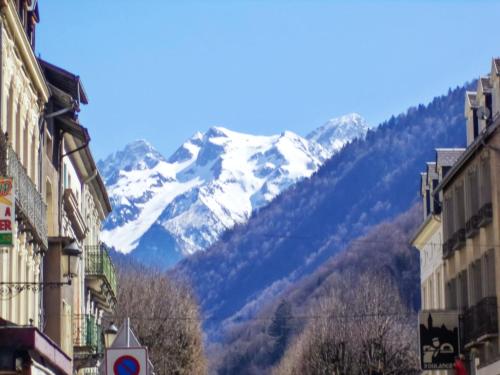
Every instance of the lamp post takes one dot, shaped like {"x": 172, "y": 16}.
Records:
{"x": 71, "y": 257}
{"x": 110, "y": 335}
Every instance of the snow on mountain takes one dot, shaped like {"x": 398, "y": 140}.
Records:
{"x": 169, "y": 208}
{"x": 338, "y": 131}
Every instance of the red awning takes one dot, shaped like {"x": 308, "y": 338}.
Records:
{"x": 30, "y": 338}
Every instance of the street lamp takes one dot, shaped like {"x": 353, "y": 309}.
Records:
{"x": 110, "y": 335}
{"x": 71, "y": 259}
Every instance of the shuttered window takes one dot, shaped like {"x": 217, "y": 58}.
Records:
{"x": 463, "y": 293}
{"x": 472, "y": 194}
{"x": 451, "y": 295}
{"x": 489, "y": 289}
{"x": 459, "y": 206}
{"x": 485, "y": 182}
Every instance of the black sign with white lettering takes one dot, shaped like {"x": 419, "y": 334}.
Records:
{"x": 438, "y": 339}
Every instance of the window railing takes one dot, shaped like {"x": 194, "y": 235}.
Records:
{"x": 98, "y": 264}
{"x": 480, "y": 320}
{"x": 87, "y": 333}
{"x": 29, "y": 202}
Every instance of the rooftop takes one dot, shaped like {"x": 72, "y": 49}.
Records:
{"x": 447, "y": 157}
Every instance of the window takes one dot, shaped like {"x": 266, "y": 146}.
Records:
{"x": 489, "y": 289}
{"x": 485, "y": 182}
{"x": 475, "y": 123}
{"x": 476, "y": 285}
{"x": 463, "y": 290}
{"x": 451, "y": 300}
{"x": 458, "y": 200}
{"x": 472, "y": 196}
{"x": 447, "y": 219}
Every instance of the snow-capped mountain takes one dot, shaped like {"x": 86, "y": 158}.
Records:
{"x": 338, "y": 131}
{"x": 164, "y": 209}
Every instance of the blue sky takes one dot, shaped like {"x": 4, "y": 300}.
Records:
{"x": 163, "y": 69}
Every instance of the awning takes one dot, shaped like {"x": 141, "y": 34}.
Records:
{"x": 31, "y": 339}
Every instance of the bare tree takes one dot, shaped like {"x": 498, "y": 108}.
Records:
{"x": 166, "y": 318}
{"x": 360, "y": 331}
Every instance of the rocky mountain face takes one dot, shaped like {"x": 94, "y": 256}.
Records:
{"x": 164, "y": 209}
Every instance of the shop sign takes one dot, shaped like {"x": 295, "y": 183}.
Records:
{"x": 438, "y": 331}
{"x": 7, "y": 213}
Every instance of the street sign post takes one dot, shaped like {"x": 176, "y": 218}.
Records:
{"x": 126, "y": 361}
{"x": 439, "y": 340}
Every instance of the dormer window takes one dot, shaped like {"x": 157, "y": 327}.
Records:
{"x": 475, "y": 123}
{"x": 488, "y": 102}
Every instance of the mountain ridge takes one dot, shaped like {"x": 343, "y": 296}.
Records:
{"x": 170, "y": 207}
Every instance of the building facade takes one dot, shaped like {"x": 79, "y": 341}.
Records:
{"x": 466, "y": 226}
{"x": 57, "y": 280}
{"x": 429, "y": 236}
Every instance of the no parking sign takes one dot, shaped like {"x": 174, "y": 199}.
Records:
{"x": 126, "y": 361}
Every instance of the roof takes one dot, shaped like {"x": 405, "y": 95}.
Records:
{"x": 64, "y": 80}
{"x": 472, "y": 98}
{"x": 485, "y": 84}
{"x": 496, "y": 63}
{"x": 469, "y": 153}
{"x": 447, "y": 157}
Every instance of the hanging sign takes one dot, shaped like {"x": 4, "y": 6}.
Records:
{"x": 7, "y": 214}
{"x": 438, "y": 339}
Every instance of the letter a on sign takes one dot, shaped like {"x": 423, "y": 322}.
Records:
{"x": 7, "y": 215}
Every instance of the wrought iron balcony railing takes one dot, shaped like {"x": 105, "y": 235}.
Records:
{"x": 485, "y": 214}
{"x": 459, "y": 239}
{"x": 87, "y": 334}
{"x": 29, "y": 202}
{"x": 472, "y": 226}
{"x": 98, "y": 264}
{"x": 480, "y": 320}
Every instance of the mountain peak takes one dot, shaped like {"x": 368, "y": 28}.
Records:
{"x": 336, "y": 132}
{"x": 136, "y": 155}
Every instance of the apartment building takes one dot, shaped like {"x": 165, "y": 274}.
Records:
{"x": 470, "y": 193}
{"x": 79, "y": 203}
{"x": 56, "y": 278}
{"x": 429, "y": 235}
{"x": 23, "y": 96}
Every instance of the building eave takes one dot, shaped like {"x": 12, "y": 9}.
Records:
{"x": 469, "y": 152}
{"x": 25, "y": 49}
{"x": 425, "y": 231}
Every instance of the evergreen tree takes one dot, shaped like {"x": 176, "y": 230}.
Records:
{"x": 280, "y": 329}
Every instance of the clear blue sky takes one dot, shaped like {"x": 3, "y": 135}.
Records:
{"x": 163, "y": 69}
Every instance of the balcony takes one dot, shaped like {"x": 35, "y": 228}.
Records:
{"x": 30, "y": 205}
{"x": 447, "y": 249}
{"x": 459, "y": 239}
{"x": 88, "y": 343}
{"x": 480, "y": 322}
{"x": 101, "y": 275}
{"x": 485, "y": 214}
{"x": 472, "y": 226}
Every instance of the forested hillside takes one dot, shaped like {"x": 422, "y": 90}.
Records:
{"x": 368, "y": 181}
{"x": 383, "y": 256}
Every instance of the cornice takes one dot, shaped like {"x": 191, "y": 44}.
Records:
{"x": 10, "y": 16}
